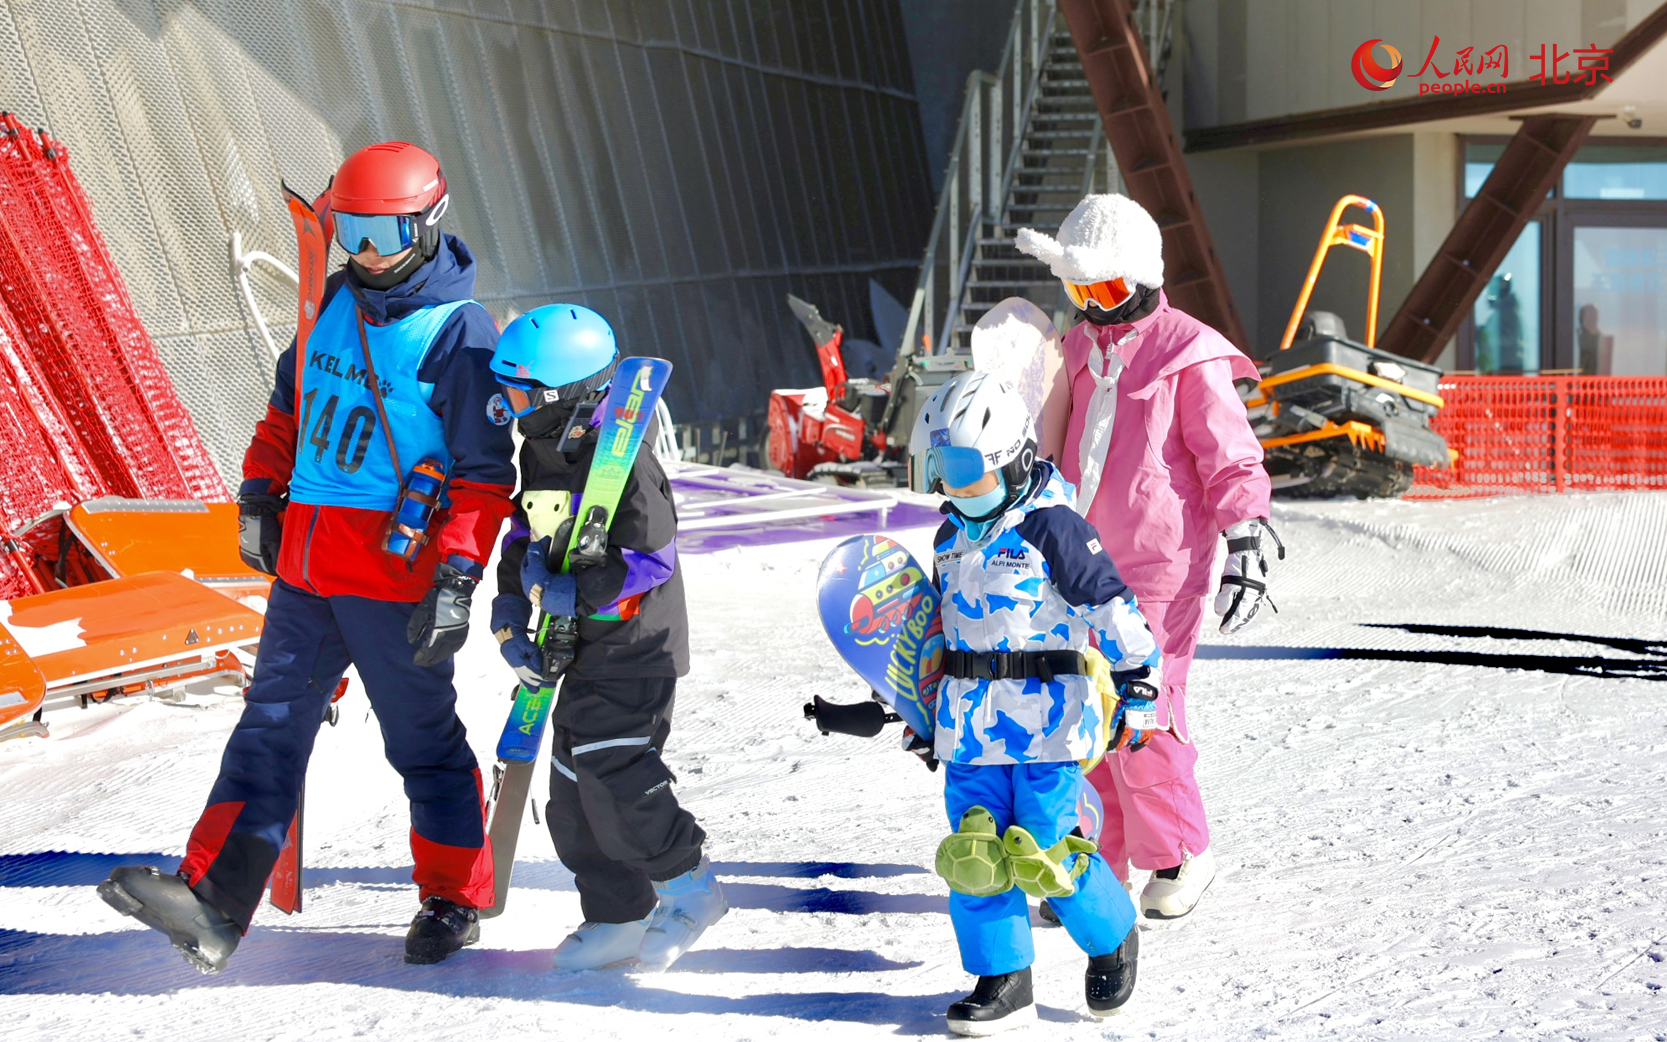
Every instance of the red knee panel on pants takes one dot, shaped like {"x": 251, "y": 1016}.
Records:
{"x": 462, "y": 875}
{"x": 207, "y": 839}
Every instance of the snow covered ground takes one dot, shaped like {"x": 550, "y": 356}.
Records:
{"x": 1407, "y": 849}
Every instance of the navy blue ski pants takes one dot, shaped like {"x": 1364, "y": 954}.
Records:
{"x": 307, "y": 644}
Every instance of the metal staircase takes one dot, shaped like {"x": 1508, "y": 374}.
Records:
{"x": 1031, "y": 144}
{"x": 1062, "y": 157}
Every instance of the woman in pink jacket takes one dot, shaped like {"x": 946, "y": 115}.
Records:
{"x": 1165, "y": 462}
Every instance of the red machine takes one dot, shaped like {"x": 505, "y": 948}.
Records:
{"x": 830, "y": 432}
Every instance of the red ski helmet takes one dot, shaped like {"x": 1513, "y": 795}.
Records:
{"x": 393, "y": 178}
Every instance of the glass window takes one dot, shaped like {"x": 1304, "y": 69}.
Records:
{"x": 1617, "y": 172}
{"x": 1620, "y": 316}
{"x": 1478, "y": 164}
{"x": 1508, "y": 313}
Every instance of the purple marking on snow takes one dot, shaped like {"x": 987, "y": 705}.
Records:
{"x": 901, "y": 516}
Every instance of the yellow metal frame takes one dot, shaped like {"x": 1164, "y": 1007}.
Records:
{"x": 1328, "y": 369}
{"x": 1367, "y": 240}
{"x": 1354, "y": 430}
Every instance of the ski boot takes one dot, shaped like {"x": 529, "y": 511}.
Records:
{"x": 1110, "y": 979}
{"x": 204, "y": 935}
{"x": 595, "y": 945}
{"x": 1049, "y": 916}
{"x": 688, "y": 905}
{"x": 1173, "y": 892}
{"x": 440, "y": 928}
{"x": 996, "y": 1004}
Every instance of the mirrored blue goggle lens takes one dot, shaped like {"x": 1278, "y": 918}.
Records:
{"x": 389, "y": 233}
{"x": 955, "y": 466}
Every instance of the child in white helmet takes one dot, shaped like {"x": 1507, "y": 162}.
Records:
{"x": 1026, "y": 587}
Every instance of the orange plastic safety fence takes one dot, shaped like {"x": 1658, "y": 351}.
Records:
{"x": 1550, "y": 434}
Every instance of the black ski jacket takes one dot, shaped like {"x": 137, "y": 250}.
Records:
{"x": 639, "y": 587}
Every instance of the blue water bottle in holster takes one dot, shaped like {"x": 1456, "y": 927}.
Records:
{"x": 418, "y": 498}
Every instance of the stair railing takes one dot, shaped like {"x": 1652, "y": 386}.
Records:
{"x": 989, "y": 144}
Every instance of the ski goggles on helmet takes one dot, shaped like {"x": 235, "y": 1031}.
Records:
{"x": 1107, "y": 296}
{"x": 523, "y": 399}
{"x": 387, "y": 233}
{"x": 951, "y": 466}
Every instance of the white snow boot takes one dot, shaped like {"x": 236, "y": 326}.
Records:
{"x": 595, "y": 945}
{"x": 1173, "y": 892}
{"x": 688, "y": 905}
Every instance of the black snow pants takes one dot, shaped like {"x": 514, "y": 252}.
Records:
{"x": 616, "y": 822}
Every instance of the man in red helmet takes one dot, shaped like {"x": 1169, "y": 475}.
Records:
{"x": 396, "y": 374}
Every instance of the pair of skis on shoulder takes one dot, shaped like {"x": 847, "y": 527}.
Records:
{"x": 627, "y": 412}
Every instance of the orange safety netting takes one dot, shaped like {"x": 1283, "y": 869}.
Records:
{"x": 1550, "y": 434}
{"x": 86, "y": 406}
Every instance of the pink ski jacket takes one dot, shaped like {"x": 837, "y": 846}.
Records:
{"x": 1183, "y": 463}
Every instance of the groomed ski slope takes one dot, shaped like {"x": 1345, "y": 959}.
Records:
{"x": 1407, "y": 850}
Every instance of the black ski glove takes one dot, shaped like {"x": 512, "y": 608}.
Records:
{"x": 440, "y": 624}
{"x": 260, "y": 530}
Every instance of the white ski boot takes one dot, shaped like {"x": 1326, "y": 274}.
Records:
{"x": 688, "y": 905}
{"x": 595, "y": 945}
{"x": 1167, "y": 897}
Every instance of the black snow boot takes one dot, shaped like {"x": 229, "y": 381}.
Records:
{"x": 1047, "y": 913}
{"x": 439, "y": 929}
{"x": 202, "y": 933}
{"x": 998, "y": 1003}
{"x": 1110, "y": 980}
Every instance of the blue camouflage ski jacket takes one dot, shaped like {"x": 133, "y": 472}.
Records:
{"x": 1038, "y": 580}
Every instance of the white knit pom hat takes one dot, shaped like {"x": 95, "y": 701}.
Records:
{"x": 1106, "y": 237}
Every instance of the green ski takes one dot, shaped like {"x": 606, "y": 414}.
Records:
{"x": 626, "y": 413}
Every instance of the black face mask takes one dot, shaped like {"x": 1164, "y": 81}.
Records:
{"x": 393, "y": 276}
{"x": 566, "y": 420}
{"x": 1136, "y": 307}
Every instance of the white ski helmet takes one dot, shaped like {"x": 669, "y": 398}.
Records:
{"x": 970, "y": 426}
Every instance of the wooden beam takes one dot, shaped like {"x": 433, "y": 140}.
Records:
{"x": 1149, "y": 156}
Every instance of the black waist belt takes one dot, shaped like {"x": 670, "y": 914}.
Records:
{"x": 1013, "y": 665}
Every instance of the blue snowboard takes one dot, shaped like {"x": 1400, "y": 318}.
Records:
{"x": 880, "y": 609}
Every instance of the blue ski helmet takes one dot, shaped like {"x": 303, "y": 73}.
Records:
{"x": 559, "y": 352}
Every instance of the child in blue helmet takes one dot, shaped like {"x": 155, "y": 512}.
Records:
{"x": 645, "y": 886}
{"x": 1025, "y": 587}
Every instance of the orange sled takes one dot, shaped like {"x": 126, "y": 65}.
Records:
{"x": 138, "y": 597}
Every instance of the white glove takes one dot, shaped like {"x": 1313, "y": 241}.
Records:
{"x": 1243, "y": 578}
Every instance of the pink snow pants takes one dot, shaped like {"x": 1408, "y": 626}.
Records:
{"x": 1153, "y": 810}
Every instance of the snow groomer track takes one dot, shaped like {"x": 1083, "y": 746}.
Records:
{"x": 1408, "y": 848}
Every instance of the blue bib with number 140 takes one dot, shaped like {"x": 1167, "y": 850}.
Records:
{"x": 342, "y": 457}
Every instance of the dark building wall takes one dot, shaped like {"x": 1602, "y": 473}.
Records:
{"x": 948, "y": 39}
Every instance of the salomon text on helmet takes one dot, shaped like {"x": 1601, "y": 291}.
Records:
{"x": 970, "y": 426}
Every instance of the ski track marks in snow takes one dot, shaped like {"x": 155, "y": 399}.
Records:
{"x": 1406, "y": 850}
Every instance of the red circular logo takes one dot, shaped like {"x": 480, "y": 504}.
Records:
{"x": 1368, "y": 73}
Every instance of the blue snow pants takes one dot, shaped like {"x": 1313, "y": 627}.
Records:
{"x": 307, "y": 644}
{"x": 994, "y": 932}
